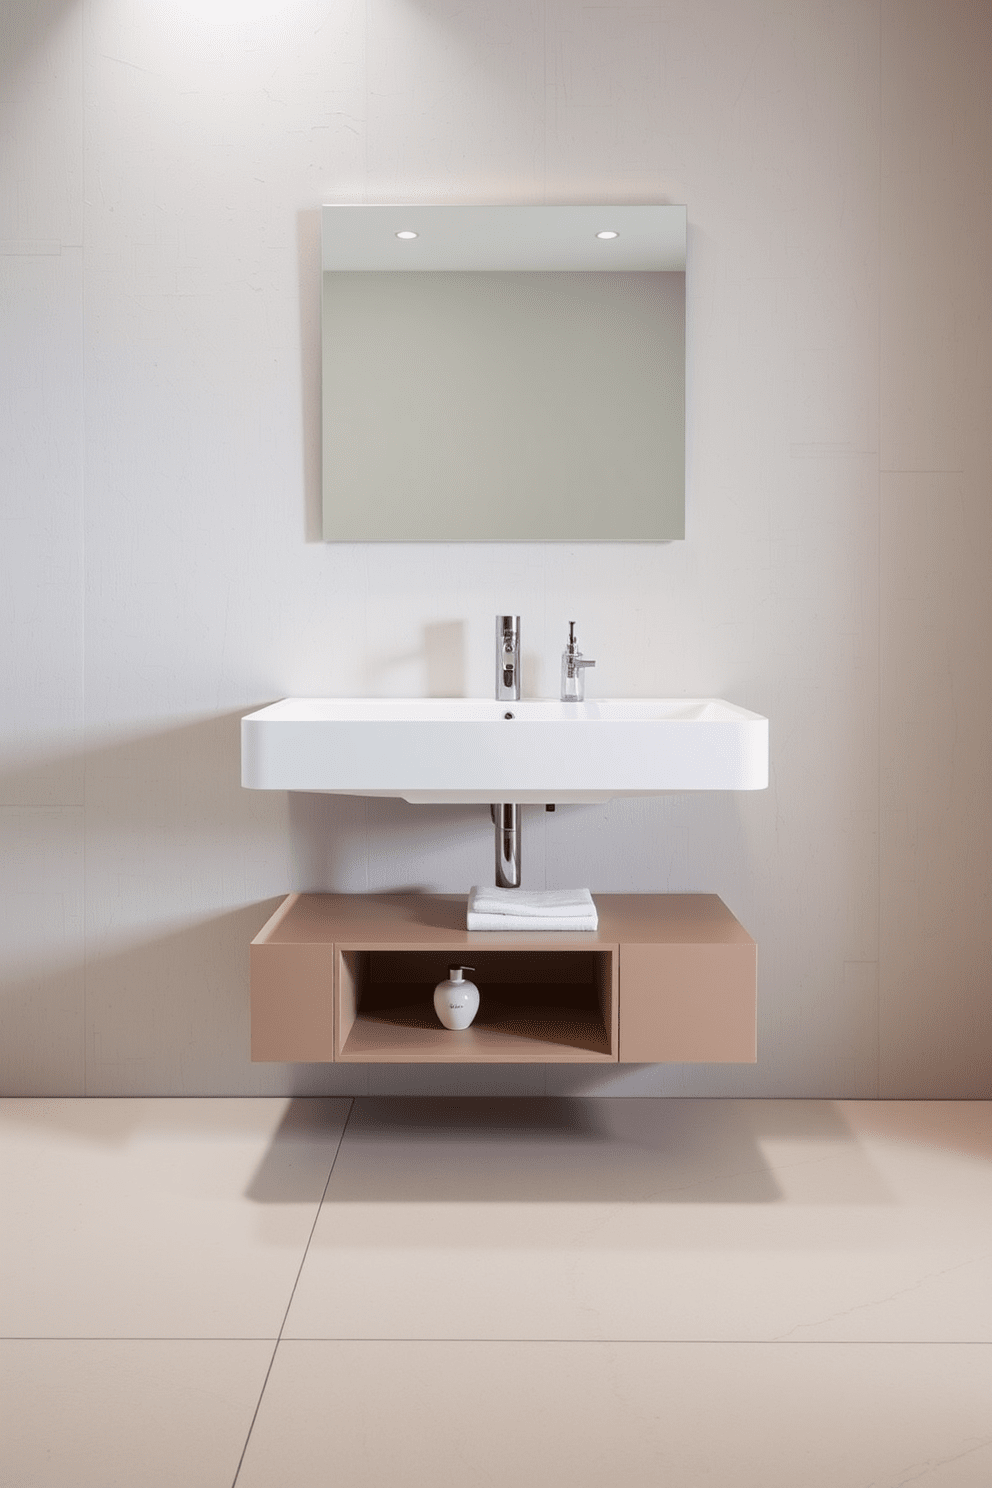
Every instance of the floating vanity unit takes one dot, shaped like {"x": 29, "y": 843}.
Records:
{"x": 665, "y": 978}
{"x": 349, "y": 978}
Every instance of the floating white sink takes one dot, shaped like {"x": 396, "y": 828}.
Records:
{"x": 464, "y": 749}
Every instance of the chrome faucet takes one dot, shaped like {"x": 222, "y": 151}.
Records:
{"x": 507, "y": 658}
{"x": 573, "y": 674}
{"x": 506, "y": 814}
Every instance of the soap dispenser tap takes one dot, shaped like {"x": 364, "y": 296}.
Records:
{"x": 573, "y": 670}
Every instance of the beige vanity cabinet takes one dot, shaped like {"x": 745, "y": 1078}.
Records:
{"x": 666, "y": 978}
{"x": 688, "y": 978}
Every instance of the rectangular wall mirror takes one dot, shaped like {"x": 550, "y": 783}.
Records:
{"x": 500, "y": 374}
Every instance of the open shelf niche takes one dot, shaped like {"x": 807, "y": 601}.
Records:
{"x": 536, "y": 1005}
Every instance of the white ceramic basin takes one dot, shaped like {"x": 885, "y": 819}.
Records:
{"x": 463, "y": 749}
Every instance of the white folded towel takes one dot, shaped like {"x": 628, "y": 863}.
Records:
{"x": 542, "y": 902}
{"x": 530, "y": 922}
{"x": 538, "y": 909}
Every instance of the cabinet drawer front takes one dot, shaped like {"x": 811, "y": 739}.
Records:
{"x": 688, "y": 1004}
{"x": 291, "y": 1002}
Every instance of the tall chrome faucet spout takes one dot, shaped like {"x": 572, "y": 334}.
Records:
{"x": 507, "y": 658}
{"x": 506, "y": 814}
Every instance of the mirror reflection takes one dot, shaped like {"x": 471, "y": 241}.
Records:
{"x": 503, "y": 373}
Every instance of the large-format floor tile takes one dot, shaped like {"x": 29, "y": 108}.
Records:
{"x": 584, "y": 1415}
{"x": 158, "y": 1218}
{"x": 922, "y": 1270}
{"x": 648, "y": 1219}
{"x": 115, "y": 1414}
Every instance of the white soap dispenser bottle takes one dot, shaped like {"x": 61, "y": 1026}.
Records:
{"x": 456, "y": 1001}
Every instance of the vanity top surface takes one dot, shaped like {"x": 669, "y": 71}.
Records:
{"x": 412, "y": 920}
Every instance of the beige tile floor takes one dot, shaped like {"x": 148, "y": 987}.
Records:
{"x": 757, "y": 1294}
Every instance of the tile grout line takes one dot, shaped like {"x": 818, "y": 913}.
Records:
{"x": 83, "y": 451}
{"x": 879, "y": 576}
{"x": 982, "y": 1343}
{"x": 296, "y": 1282}
{"x": 749, "y": 1343}
{"x": 133, "y": 1338}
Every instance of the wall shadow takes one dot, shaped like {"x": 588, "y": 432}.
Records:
{"x": 26, "y": 29}
{"x": 441, "y": 655}
{"x": 196, "y": 763}
{"x": 309, "y": 273}
{"x": 333, "y": 839}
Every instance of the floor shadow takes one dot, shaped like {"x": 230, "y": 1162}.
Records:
{"x": 284, "y": 1176}
{"x": 534, "y": 1150}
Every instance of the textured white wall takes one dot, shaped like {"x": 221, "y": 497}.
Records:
{"x": 161, "y": 166}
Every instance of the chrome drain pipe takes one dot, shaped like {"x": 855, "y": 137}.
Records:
{"x": 506, "y": 819}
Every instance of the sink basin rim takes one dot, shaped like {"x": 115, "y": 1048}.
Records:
{"x": 461, "y": 750}
{"x": 487, "y": 711}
